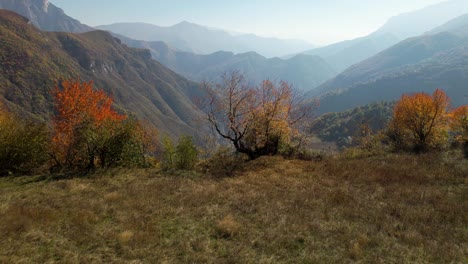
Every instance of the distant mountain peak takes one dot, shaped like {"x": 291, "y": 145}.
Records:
{"x": 44, "y": 15}
{"x": 185, "y": 23}
{"x": 191, "y": 37}
{"x": 45, "y": 5}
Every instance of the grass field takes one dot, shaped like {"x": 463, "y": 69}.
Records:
{"x": 381, "y": 209}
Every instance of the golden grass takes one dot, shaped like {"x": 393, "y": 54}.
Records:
{"x": 383, "y": 209}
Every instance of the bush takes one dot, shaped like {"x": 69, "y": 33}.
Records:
{"x": 186, "y": 154}
{"x": 23, "y": 145}
{"x": 224, "y": 163}
{"x": 128, "y": 145}
{"x": 183, "y": 157}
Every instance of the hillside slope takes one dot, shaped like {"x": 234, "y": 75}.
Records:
{"x": 418, "y": 64}
{"x": 45, "y": 15}
{"x": 347, "y": 53}
{"x": 383, "y": 209}
{"x": 32, "y": 62}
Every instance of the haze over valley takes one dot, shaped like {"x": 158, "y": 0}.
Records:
{"x": 262, "y": 131}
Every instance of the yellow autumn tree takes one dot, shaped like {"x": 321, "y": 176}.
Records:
{"x": 256, "y": 120}
{"x": 420, "y": 121}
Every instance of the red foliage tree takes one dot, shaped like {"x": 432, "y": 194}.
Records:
{"x": 81, "y": 114}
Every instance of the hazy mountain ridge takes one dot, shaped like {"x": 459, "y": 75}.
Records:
{"x": 415, "y": 23}
{"x": 198, "y": 39}
{"x": 45, "y": 15}
{"x": 456, "y": 26}
{"x": 305, "y": 72}
{"x": 341, "y": 55}
{"x": 34, "y": 61}
{"x": 418, "y": 64}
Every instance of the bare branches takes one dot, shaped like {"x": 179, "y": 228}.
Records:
{"x": 255, "y": 119}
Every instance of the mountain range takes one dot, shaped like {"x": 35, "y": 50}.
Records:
{"x": 198, "y": 39}
{"x": 33, "y": 62}
{"x": 424, "y": 63}
{"x": 305, "y": 72}
{"x": 346, "y": 53}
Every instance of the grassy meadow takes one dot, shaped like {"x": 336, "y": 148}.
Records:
{"x": 349, "y": 208}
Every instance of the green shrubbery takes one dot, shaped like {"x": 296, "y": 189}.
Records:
{"x": 23, "y": 145}
{"x": 184, "y": 156}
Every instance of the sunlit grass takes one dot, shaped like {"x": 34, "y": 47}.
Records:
{"x": 380, "y": 209}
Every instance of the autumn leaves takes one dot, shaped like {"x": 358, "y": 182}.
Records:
{"x": 422, "y": 122}
{"x": 89, "y": 133}
{"x": 256, "y": 120}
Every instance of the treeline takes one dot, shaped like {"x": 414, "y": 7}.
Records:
{"x": 270, "y": 119}
{"x": 345, "y": 127}
{"x": 85, "y": 133}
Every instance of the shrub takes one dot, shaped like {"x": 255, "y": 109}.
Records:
{"x": 224, "y": 163}
{"x": 23, "y": 145}
{"x": 184, "y": 156}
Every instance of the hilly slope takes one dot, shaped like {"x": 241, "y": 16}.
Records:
{"x": 32, "y": 62}
{"x": 45, "y": 15}
{"x": 344, "y": 54}
{"x": 305, "y": 72}
{"x": 418, "y": 64}
{"x": 198, "y": 39}
{"x": 347, "y": 209}
{"x": 457, "y": 26}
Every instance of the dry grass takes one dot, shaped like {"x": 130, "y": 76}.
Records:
{"x": 385, "y": 209}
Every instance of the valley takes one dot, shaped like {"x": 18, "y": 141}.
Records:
{"x": 260, "y": 132}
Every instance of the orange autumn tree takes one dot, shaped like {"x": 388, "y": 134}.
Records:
{"x": 88, "y": 131}
{"x": 420, "y": 121}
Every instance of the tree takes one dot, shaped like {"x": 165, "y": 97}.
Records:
{"x": 87, "y": 130}
{"x": 420, "y": 120}
{"x": 256, "y": 120}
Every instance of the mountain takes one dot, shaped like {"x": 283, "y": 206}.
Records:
{"x": 198, "y": 39}
{"x": 418, "y": 22}
{"x": 417, "y": 64}
{"x": 33, "y": 61}
{"x": 457, "y": 26}
{"x": 344, "y": 54}
{"x": 305, "y": 72}
{"x": 45, "y": 15}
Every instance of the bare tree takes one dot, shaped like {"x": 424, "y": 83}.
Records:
{"x": 256, "y": 120}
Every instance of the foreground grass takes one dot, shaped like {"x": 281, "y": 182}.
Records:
{"x": 387, "y": 209}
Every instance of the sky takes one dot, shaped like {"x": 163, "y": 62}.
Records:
{"x": 319, "y": 22}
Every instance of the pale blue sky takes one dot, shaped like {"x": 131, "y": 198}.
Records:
{"x": 317, "y": 21}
